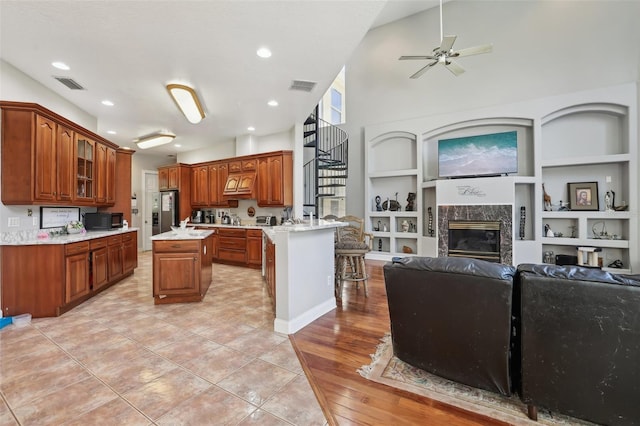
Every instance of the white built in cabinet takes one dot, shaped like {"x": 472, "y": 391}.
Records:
{"x": 586, "y": 136}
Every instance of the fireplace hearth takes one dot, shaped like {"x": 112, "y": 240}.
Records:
{"x": 475, "y": 239}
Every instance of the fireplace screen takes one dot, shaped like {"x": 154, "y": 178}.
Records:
{"x": 476, "y": 239}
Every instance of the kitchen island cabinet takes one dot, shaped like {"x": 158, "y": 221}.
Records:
{"x": 182, "y": 266}
{"x": 49, "y": 277}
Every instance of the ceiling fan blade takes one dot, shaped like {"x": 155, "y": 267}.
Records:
{"x": 423, "y": 69}
{"x": 447, "y": 43}
{"x": 476, "y": 50}
{"x": 454, "y": 68}
{"x": 402, "y": 58}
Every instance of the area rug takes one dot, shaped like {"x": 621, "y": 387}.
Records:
{"x": 389, "y": 370}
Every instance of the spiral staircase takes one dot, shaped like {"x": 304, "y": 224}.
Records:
{"x": 325, "y": 174}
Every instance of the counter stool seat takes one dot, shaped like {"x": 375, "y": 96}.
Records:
{"x": 351, "y": 246}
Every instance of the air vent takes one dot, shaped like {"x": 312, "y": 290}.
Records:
{"x": 70, "y": 83}
{"x": 304, "y": 86}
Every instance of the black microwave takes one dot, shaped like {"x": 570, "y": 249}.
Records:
{"x": 102, "y": 221}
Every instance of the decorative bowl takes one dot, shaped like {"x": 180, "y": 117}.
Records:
{"x": 71, "y": 230}
{"x": 182, "y": 231}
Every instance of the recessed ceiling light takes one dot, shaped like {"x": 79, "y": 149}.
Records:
{"x": 264, "y": 52}
{"x": 111, "y": 132}
{"x": 251, "y": 128}
{"x": 61, "y": 65}
{"x": 125, "y": 147}
{"x": 177, "y": 145}
{"x": 272, "y": 103}
{"x": 107, "y": 102}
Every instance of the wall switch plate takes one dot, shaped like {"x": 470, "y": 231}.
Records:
{"x": 14, "y": 221}
{"x": 607, "y": 179}
{"x": 35, "y": 221}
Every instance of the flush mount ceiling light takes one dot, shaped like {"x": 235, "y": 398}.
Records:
{"x": 61, "y": 65}
{"x": 187, "y": 100}
{"x": 264, "y": 52}
{"x": 154, "y": 139}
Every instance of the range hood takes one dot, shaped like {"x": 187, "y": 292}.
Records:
{"x": 240, "y": 185}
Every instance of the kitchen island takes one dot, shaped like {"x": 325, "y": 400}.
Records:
{"x": 304, "y": 272}
{"x": 182, "y": 265}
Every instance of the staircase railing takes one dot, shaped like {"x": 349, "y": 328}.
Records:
{"x": 329, "y": 166}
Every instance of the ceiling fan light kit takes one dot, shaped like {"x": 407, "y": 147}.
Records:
{"x": 444, "y": 53}
{"x": 187, "y": 100}
{"x": 154, "y": 139}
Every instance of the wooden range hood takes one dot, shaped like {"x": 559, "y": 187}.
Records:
{"x": 240, "y": 186}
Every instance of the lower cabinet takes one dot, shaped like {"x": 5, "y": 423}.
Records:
{"x": 50, "y": 279}
{"x": 232, "y": 245}
{"x": 254, "y": 247}
{"x": 115, "y": 257}
{"x": 76, "y": 271}
{"x": 270, "y": 269}
{"x": 181, "y": 270}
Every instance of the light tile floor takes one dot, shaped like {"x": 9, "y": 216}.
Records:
{"x": 118, "y": 359}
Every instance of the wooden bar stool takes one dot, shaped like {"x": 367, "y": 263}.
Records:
{"x": 351, "y": 246}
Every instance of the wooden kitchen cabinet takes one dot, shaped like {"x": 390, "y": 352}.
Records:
{"x": 200, "y": 186}
{"x": 163, "y": 178}
{"x": 112, "y": 161}
{"x": 47, "y": 280}
{"x": 181, "y": 270}
{"x": 275, "y": 180}
{"x": 270, "y": 269}
{"x": 240, "y": 185}
{"x": 172, "y": 177}
{"x": 98, "y": 259}
{"x": 101, "y": 173}
{"x": 43, "y": 161}
{"x": 254, "y": 247}
{"x": 76, "y": 271}
{"x": 218, "y": 173}
{"x": 130, "y": 252}
{"x": 232, "y": 245}
{"x": 115, "y": 256}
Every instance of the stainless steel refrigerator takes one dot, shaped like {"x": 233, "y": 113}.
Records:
{"x": 164, "y": 213}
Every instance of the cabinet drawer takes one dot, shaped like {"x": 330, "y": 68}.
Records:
{"x": 75, "y": 248}
{"x": 248, "y": 165}
{"x": 234, "y": 256}
{"x": 255, "y": 233}
{"x": 115, "y": 240}
{"x": 127, "y": 237}
{"x": 98, "y": 243}
{"x": 232, "y": 243}
{"x": 226, "y": 232}
{"x": 179, "y": 246}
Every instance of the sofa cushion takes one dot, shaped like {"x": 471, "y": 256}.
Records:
{"x": 573, "y": 272}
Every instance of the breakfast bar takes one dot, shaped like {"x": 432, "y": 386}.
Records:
{"x": 304, "y": 272}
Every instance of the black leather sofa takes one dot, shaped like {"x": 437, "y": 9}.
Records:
{"x": 579, "y": 336}
{"x": 452, "y": 317}
{"x": 564, "y": 338}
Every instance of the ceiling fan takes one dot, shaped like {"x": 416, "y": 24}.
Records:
{"x": 444, "y": 54}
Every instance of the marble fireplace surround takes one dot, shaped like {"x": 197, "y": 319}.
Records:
{"x": 501, "y": 213}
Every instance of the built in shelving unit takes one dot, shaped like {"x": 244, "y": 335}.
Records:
{"x": 587, "y": 136}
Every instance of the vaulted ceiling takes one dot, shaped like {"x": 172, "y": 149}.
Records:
{"x": 127, "y": 51}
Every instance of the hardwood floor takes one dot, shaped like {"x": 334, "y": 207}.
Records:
{"x": 333, "y": 347}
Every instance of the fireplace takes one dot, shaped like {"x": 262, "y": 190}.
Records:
{"x": 499, "y": 214}
{"x": 476, "y": 239}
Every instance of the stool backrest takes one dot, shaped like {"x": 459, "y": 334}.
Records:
{"x": 353, "y": 232}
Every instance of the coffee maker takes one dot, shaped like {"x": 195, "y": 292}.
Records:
{"x": 197, "y": 216}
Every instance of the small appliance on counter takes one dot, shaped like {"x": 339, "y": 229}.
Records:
{"x": 210, "y": 217}
{"x": 103, "y": 221}
{"x": 197, "y": 216}
{"x": 266, "y": 220}
{"x": 226, "y": 219}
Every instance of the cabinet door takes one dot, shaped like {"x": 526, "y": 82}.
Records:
{"x": 64, "y": 177}
{"x": 111, "y": 175}
{"x": 270, "y": 177}
{"x": 254, "y": 250}
{"x": 45, "y": 159}
{"x": 101, "y": 173}
{"x": 200, "y": 186}
{"x": 174, "y": 178}
{"x": 176, "y": 274}
{"x": 77, "y": 276}
{"x": 130, "y": 246}
{"x": 163, "y": 179}
{"x": 84, "y": 169}
{"x": 215, "y": 194}
{"x": 223, "y": 174}
{"x": 270, "y": 269}
{"x": 116, "y": 261}
{"x": 99, "y": 267}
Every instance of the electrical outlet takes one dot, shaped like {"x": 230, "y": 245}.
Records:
{"x": 329, "y": 280}
{"x": 607, "y": 179}
{"x": 29, "y": 212}
{"x": 35, "y": 221}
{"x": 14, "y": 221}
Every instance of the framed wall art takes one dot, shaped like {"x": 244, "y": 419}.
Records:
{"x": 583, "y": 195}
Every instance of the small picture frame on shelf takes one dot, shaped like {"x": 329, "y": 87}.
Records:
{"x": 583, "y": 196}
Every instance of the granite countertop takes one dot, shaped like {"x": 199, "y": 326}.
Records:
{"x": 193, "y": 234}
{"x": 69, "y": 238}
{"x": 220, "y": 225}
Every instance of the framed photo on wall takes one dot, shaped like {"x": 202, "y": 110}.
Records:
{"x": 583, "y": 195}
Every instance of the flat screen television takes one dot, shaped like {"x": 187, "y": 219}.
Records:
{"x": 482, "y": 155}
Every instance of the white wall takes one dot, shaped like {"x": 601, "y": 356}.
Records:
{"x": 540, "y": 49}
